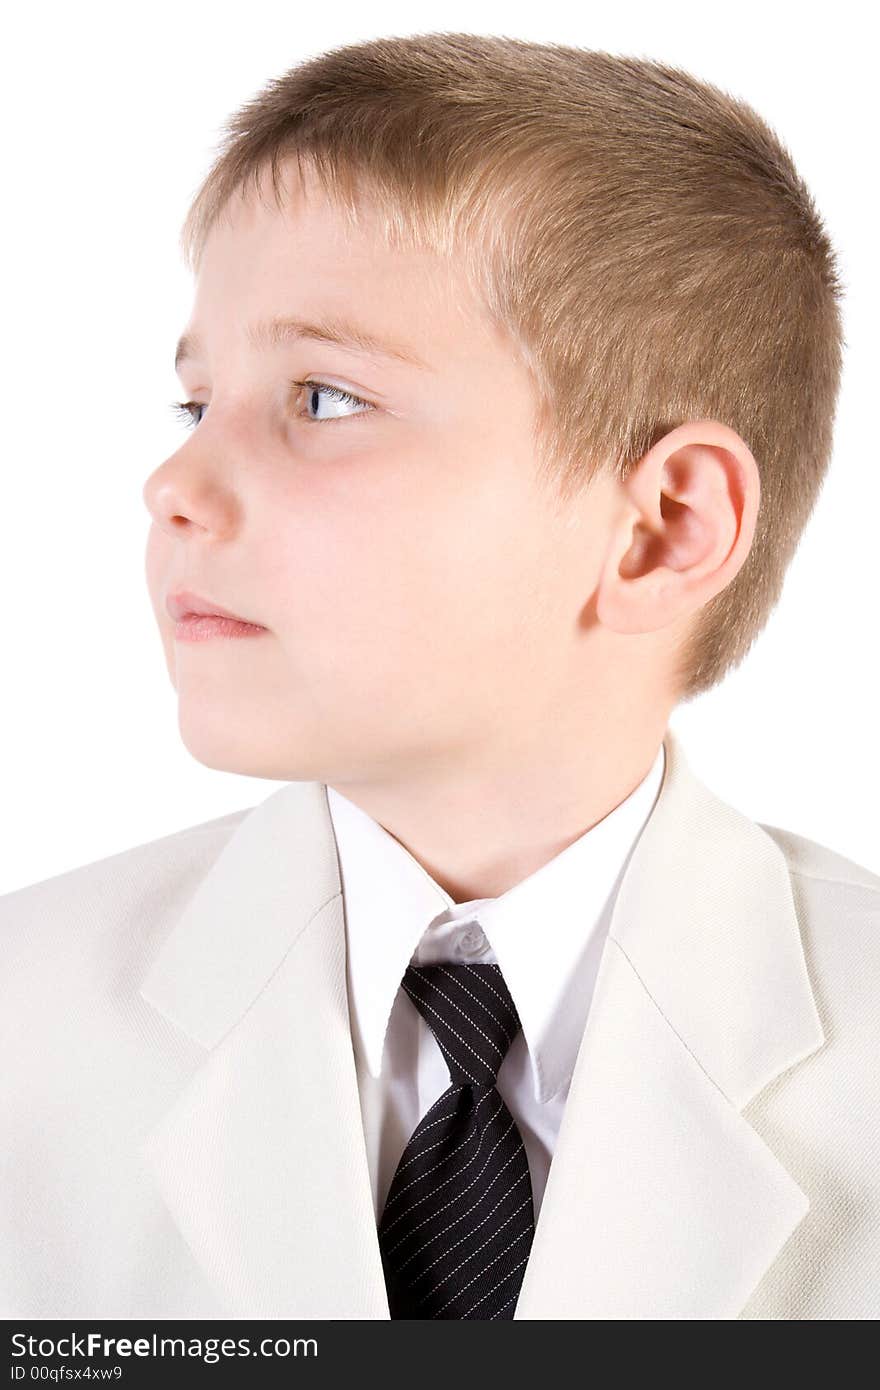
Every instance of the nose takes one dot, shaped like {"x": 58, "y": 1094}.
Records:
{"x": 164, "y": 498}
{"x": 157, "y": 489}
{"x": 179, "y": 493}
{"x": 200, "y": 484}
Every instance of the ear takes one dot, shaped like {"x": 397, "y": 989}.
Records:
{"x": 686, "y": 524}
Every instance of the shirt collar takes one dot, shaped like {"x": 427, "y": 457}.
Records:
{"x": 546, "y": 932}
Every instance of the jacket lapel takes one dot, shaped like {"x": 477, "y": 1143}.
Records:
{"x": 261, "y": 1158}
{"x": 662, "y": 1201}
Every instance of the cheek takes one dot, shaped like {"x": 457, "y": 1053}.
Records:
{"x": 370, "y": 597}
{"x": 428, "y": 552}
{"x": 361, "y": 579}
{"x": 385, "y": 598}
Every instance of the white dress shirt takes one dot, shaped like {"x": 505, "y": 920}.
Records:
{"x": 546, "y": 933}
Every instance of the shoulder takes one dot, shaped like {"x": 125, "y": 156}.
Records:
{"x": 821, "y": 1116}
{"x": 837, "y": 901}
{"x": 816, "y": 862}
{"x": 73, "y": 951}
{"x": 135, "y": 889}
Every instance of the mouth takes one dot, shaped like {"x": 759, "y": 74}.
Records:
{"x": 198, "y": 618}
{"x": 185, "y": 604}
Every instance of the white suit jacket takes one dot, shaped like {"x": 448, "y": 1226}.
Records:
{"x": 181, "y": 1130}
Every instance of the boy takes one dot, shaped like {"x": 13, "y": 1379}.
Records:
{"x": 509, "y": 410}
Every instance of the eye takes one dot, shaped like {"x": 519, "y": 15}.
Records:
{"x": 188, "y": 410}
{"x": 316, "y": 389}
{"x": 184, "y": 409}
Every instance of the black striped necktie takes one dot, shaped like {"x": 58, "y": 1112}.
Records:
{"x": 458, "y": 1221}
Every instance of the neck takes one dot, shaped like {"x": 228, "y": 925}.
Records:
{"x": 481, "y": 827}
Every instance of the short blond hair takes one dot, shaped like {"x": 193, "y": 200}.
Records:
{"x": 643, "y": 237}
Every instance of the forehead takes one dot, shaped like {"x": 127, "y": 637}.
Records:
{"x": 306, "y": 258}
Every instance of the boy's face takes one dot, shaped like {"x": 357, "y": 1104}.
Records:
{"x": 423, "y": 595}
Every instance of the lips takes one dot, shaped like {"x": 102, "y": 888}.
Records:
{"x": 184, "y": 604}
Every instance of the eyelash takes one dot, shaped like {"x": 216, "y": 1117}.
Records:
{"x": 184, "y": 409}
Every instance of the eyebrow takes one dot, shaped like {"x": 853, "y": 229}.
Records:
{"x": 278, "y": 331}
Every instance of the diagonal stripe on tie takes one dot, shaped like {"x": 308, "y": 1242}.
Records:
{"x": 458, "y": 1221}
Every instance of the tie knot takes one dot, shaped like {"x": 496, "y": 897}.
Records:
{"x": 471, "y": 1013}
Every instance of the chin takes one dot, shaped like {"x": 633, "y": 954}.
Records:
{"x": 224, "y": 751}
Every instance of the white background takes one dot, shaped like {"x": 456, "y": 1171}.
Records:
{"x": 110, "y": 116}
